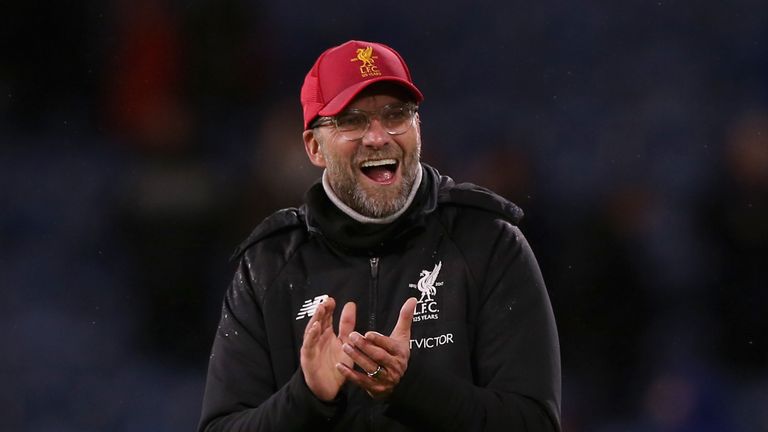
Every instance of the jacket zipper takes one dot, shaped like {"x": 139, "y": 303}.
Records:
{"x": 373, "y": 294}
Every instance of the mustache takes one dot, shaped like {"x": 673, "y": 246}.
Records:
{"x": 365, "y": 154}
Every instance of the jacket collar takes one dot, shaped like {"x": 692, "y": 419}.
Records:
{"x": 326, "y": 219}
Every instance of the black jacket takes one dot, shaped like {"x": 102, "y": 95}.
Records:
{"x": 484, "y": 348}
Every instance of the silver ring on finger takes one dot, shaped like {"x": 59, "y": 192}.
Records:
{"x": 375, "y": 373}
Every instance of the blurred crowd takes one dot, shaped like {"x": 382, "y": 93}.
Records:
{"x": 141, "y": 140}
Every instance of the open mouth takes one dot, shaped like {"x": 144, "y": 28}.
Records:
{"x": 382, "y": 171}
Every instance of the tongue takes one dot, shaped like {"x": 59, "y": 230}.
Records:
{"x": 379, "y": 174}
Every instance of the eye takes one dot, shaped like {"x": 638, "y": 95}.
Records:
{"x": 395, "y": 114}
{"x": 351, "y": 121}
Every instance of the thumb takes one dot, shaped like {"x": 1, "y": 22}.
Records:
{"x": 347, "y": 321}
{"x": 403, "y": 327}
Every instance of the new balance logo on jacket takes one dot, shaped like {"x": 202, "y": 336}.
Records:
{"x": 309, "y": 307}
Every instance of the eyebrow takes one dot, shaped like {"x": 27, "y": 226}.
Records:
{"x": 379, "y": 109}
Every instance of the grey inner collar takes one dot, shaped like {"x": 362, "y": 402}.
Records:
{"x": 365, "y": 219}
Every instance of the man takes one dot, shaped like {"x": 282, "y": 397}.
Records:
{"x": 446, "y": 323}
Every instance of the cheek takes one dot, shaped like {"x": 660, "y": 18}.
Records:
{"x": 338, "y": 157}
{"x": 411, "y": 146}
{"x": 343, "y": 152}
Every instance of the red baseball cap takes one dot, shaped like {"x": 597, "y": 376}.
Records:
{"x": 341, "y": 72}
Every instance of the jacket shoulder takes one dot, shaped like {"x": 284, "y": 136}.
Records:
{"x": 469, "y": 195}
{"x": 281, "y": 222}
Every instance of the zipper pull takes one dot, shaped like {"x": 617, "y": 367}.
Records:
{"x": 374, "y": 266}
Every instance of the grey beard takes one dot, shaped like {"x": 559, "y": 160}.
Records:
{"x": 373, "y": 208}
{"x": 351, "y": 194}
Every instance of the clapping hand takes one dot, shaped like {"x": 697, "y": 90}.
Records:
{"x": 321, "y": 350}
{"x": 383, "y": 358}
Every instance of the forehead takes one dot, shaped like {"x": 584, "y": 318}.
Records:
{"x": 380, "y": 94}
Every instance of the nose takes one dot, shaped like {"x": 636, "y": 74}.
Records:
{"x": 375, "y": 135}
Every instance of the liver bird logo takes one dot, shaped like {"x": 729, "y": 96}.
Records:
{"x": 426, "y": 285}
{"x": 365, "y": 55}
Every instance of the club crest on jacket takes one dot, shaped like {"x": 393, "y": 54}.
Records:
{"x": 426, "y": 307}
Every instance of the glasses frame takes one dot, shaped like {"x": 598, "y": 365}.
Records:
{"x": 333, "y": 120}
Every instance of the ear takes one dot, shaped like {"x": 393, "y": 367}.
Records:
{"x": 312, "y": 146}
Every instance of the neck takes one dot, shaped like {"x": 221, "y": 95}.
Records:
{"x": 366, "y": 219}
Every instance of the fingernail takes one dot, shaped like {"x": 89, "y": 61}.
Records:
{"x": 355, "y": 336}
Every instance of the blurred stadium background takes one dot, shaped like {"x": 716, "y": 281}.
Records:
{"x": 141, "y": 140}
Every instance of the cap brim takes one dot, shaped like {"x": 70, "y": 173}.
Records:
{"x": 345, "y": 97}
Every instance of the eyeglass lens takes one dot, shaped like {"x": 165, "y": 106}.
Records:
{"x": 395, "y": 119}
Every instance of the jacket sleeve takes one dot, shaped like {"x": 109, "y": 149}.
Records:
{"x": 515, "y": 354}
{"x": 242, "y": 392}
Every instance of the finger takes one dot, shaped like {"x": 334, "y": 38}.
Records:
{"x": 360, "y": 379}
{"x": 361, "y": 359}
{"x": 376, "y": 388}
{"x": 375, "y": 346}
{"x": 381, "y": 348}
{"x": 352, "y": 375}
{"x": 325, "y": 312}
{"x": 310, "y": 336}
{"x": 316, "y": 317}
{"x": 402, "y": 329}
{"x": 347, "y": 320}
{"x": 373, "y": 341}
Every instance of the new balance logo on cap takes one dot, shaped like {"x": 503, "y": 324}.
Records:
{"x": 309, "y": 307}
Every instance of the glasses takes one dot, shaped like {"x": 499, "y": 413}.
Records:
{"x": 352, "y": 124}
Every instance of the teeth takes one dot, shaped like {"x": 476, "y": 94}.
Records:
{"x": 380, "y": 162}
